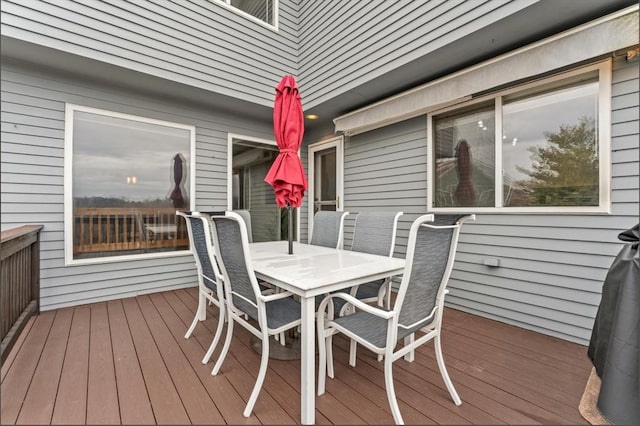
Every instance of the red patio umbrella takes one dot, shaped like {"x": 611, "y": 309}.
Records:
{"x": 286, "y": 174}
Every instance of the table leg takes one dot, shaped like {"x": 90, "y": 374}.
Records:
{"x": 307, "y": 361}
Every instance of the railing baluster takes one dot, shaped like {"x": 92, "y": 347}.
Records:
{"x": 20, "y": 286}
{"x": 121, "y": 229}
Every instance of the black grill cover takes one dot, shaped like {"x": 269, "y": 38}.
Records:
{"x": 615, "y": 338}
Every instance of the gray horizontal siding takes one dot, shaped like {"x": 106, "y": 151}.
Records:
{"x": 342, "y": 46}
{"x": 551, "y": 266}
{"x": 386, "y": 170}
{"x": 198, "y": 43}
{"x": 32, "y": 184}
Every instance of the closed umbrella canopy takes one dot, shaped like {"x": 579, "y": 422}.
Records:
{"x": 465, "y": 194}
{"x": 286, "y": 174}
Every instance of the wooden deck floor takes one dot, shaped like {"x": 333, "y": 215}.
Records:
{"x": 126, "y": 362}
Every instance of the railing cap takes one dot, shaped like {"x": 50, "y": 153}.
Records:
{"x": 18, "y": 232}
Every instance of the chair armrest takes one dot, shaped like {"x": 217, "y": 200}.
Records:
{"x": 358, "y": 304}
{"x": 275, "y": 296}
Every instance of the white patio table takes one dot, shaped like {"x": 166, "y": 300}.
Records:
{"x": 308, "y": 272}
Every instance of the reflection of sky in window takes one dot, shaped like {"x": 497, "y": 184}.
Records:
{"x": 529, "y": 119}
{"x": 107, "y": 150}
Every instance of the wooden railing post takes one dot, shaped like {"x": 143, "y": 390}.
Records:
{"x": 20, "y": 285}
{"x": 35, "y": 272}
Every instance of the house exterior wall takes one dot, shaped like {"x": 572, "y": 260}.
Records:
{"x": 33, "y": 114}
{"x": 197, "y": 43}
{"x": 551, "y": 266}
{"x": 342, "y": 46}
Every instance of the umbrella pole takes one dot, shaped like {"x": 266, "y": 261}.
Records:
{"x": 290, "y": 234}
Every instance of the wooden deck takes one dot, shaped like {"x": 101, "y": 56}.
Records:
{"x": 126, "y": 362}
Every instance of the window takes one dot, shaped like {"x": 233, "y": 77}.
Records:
{"x": 125, "y": 177}
{"x": 541, "y": 147}
{"x": 262, "y": 11}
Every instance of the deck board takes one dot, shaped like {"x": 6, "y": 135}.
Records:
{"x": 37, "y": 407}
{"x": 102, "y": 390}
{"x": 135, "y": 406}
{"x": 165, "y": 400}
{"x": 71, "y": 401}
{"x": 16, "y": 383}
{"x": 127, "y": 362}
{"x": 227, "y": 400}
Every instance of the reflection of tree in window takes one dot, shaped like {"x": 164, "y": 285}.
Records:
{"x": 565, "y": 173}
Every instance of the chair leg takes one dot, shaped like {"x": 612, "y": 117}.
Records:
{"x": 201, "y": 314}
{"x": 322, "y": 358}
{"x": 329, "y": 346}
{"x": 443, "y": 371}
{"x": 352, "y": 352}
{"x": 216, "y": 337}
{"x": 391, "y": 393}
{"x": 264, "y": 360}
{"x": 382, "y": 295}
{"x": 225, "y": 348}
{"x": 410, "y": 356}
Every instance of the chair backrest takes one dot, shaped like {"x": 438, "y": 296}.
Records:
{"x": 429, "y": 261}
{"x": 375, "y": 232}
{"x": 246, "y": 216}
{"x": 232, "y": 246}
{"x": 327, "y": 229}
{"x": 202, "y": 249}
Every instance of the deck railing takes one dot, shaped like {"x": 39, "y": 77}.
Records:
{"x": 109, "y": 230}
{"x": 20, "y": 284}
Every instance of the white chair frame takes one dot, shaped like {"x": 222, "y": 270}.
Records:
{"x": 205, "y": 294}
{"x": 326, "y": 328}
{"x": 235, "y": 315}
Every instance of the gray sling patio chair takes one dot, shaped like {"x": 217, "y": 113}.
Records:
{"x": 375, "y": 233}
{"x": 418, "y": 307}
{"x": 328, "y": 229}
{"x": 246, "y": 216}
{"x": 210, "y": 287}
{"x": 270, "y": 314}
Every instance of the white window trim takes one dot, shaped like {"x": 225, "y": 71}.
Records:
{"x": 68, "y": 184}
{"x": 276, "y": 14}
{"x": 230, "y": 138}
{"x": 604, "y": 148}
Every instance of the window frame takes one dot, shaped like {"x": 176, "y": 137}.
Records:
{"x": 276, "y": 13}
{"x": 70, "y": 110}
{"x": 604, "y": 69}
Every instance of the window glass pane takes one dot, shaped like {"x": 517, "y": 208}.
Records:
{"x": 261, "y": 9}
{"x": 550, "y": 148}
{"x": 465, "y": 158}
{"x": 129, "y": 178}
